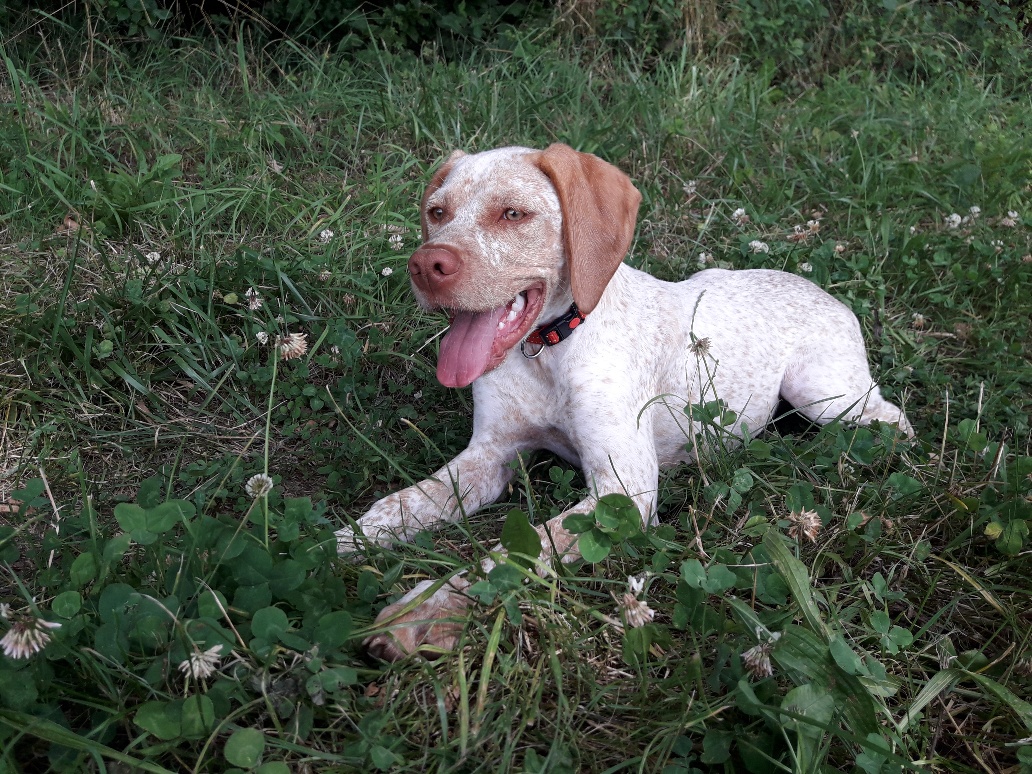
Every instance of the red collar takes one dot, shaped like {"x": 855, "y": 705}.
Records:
{"x": 551, "y": 334}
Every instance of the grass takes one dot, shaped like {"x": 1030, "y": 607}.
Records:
{"x": 146, "y": 189}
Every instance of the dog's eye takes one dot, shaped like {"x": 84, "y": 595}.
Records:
{"x": 513, "y": 214}
{"x": 436, "y": 213}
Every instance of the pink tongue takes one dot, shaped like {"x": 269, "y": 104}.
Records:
{"x": 466, "y": 347}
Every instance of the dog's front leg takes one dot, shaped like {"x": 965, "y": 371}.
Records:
{"x": 633, "y": 471}
{"x": 428, "y": 619}
{"x": 473, "y": 479}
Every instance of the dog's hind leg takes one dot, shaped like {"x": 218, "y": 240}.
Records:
{"x": 829, "y": 378}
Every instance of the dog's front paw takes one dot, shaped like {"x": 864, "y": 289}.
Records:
{"x": 429, "y": 624}
{"x": 382, "y": 525}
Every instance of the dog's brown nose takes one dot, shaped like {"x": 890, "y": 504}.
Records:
{"x": 434, "y": 269}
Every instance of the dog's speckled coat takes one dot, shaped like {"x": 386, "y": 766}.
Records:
{"x": 559, "y": 223}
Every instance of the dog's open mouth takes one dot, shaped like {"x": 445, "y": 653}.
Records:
{"x": 476, "y": 342}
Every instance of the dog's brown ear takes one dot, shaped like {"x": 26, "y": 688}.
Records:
{"x": 436, "y": 182}
{"x": 600, "y": 207}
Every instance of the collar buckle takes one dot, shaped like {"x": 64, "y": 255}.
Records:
{"x": 551, "y": 334}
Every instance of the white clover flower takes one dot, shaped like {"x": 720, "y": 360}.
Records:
{"x": 804, "y": 524}
{"x": 259, "y": 485}
{"x": 5, "y": 610}
{"x": 975, "y": 211}
{"x": 326, "y": 235}
{"x": 757, "y": 246}
{"x": 813, "y": 225}
{"x": 387, "y": 271}
{"x": 27, "y": 636}
{"x": 1011, "y": 220}
{"x": 293, "y": 345}
{"x": 689, "y": 187}
{"x": 325, "y": 275}
{"x": 840, "y": 248}
{"x": 997, "y": 245}
{"x": 635, "y": 611}
{"x": 201, "y": 664}
{"x": 254, "y": 301}
{"x": 806, "y": 267}
{"x": 636, "y": 584}
{"x": 954, "y": 221}
{"x": 918, "y": 320}
{"x": 739, "y": 216}
{"x": 913, "y": 230}
{"x": 756, "y": 660}
{"x": 396, "y": 241}
{"x": 153, "y": 257}
{"x": 263, "y": 337}
{"x": 703, "y": 259}
{"x": 334, "y": 350}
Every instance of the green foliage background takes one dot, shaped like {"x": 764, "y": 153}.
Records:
{"x": 152, "y": 174}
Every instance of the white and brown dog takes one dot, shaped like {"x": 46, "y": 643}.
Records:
{"x": 567, "y": 349}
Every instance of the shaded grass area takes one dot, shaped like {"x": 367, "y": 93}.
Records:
{"x": 144, "y": 194}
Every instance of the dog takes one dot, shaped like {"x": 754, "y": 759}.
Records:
{"x": 571, "y": 350}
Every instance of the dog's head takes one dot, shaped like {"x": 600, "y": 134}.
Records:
{"x": 512, "y": 237}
